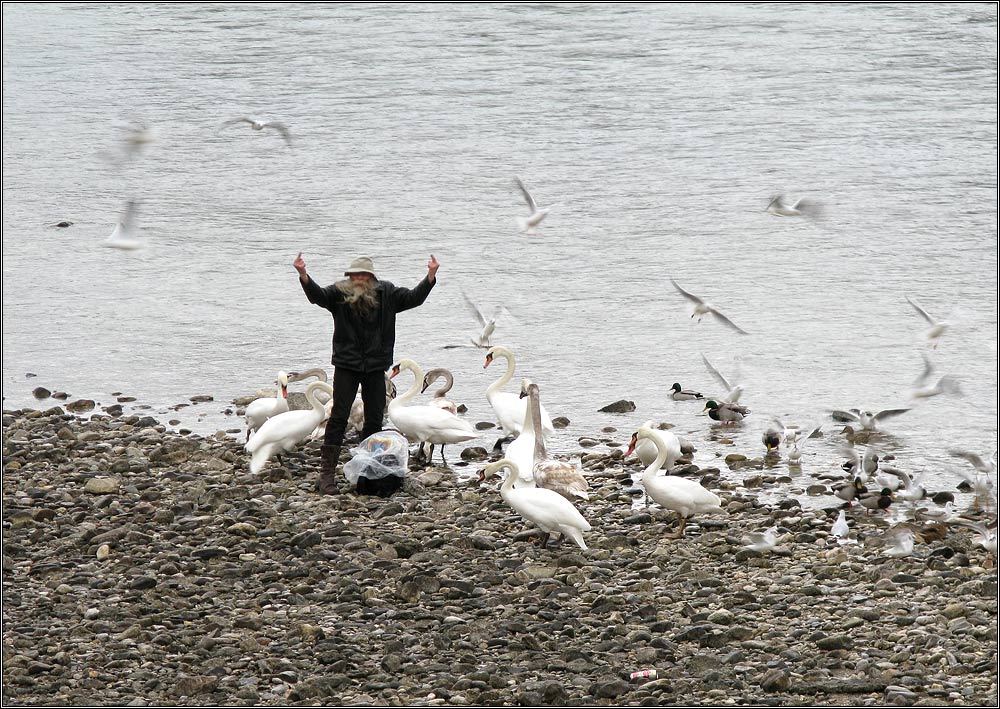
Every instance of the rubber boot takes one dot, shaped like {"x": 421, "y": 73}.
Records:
{"x": 329, "y": 458}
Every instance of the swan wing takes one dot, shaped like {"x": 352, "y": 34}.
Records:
{"x": 547, "y": 508}
{"x": 564, "y": 478}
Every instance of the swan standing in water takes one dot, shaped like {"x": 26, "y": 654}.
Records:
{"x": 282, "y": 432}
{"x": 260, "y": 410}
{"x": 546, "y": 509}
{"x": 551, "y": 474}
{"x": 509, "y": 408}
{"x": 648, "y": 451}
{"x": 439, "y": 399}
{"x": 426, "y": 424}
{"x": 683, "y": 496}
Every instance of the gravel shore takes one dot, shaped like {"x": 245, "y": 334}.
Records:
{"x": 145, "y": 567}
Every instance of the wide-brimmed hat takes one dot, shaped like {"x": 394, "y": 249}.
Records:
{"x": 362, "y": 264}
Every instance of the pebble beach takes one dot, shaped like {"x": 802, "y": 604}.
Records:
{"x": 146, "y": 566}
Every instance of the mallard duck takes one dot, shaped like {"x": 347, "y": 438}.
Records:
{"x": 771, "y": 437}
{"x": 683, "y": 496}
{"x": 679, "y": 394}
{"x": 851, "y": 490}
{"x": 726, "y": 413}
{"x": 876, "y": 501}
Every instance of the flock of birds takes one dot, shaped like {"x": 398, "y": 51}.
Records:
{"x": 543, "y": 489}
{"x": 546, "y": 491}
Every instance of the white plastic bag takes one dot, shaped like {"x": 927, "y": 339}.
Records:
{"x": 380, "y": 455}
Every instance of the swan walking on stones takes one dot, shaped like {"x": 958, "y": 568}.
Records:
{"x": 546, "y": 509}
{"x": 683, "y": 496}
{"x": 282, "y": 432}
{"x": 260, "y": 410}
{"x": 423, "y": 423}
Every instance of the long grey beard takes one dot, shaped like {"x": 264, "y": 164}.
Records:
{"x": 361, "y": 296}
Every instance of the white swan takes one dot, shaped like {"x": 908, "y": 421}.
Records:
{"x": 439, "y": 399}
{"x": 522, "y": 449}
{"x": 508, "y": 407}
{"x": 260, "y": 410}
{"x": 560, "y": 476}
{"x": 282, "y": 432}
{"x": 683, "y": 496}
{"x": 546, "y": 509}
{"x": 422, "y": 423}
{"x": 647, "y": 450}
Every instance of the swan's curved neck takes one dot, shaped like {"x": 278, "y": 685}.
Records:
{"x": 533, "y": 418}
{"x": 449, "y": 381}
{"x": 320, "y": 374}
{"x": 311, "y": 395}
{"x": 661, "y": 457}
{"x": 512, "y": 474}
{"x": 502, "y": 381}
{"x": 418, "y": 379}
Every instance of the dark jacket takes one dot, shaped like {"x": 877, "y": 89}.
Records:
{"x": 365, "y": 344}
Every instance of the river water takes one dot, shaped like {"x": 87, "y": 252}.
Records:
{"x": 660, "y": 134}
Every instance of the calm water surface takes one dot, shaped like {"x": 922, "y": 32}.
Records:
{"x": 661, "y": 133}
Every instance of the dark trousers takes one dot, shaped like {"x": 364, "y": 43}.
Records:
{"x": 345, "y": 388}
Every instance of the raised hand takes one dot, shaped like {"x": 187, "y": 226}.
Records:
{"x": 432, "y": 268}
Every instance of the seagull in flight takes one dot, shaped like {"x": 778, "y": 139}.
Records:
{"x": 124, "y": 235}
{"x": 937, "y": 329}
{"x": 923, "y": 388}
{"x": 733, "y": 392}
{"x": 259, "y": 125}
{"x": 488, "y": 324}
{"x": 779, "y": 207}
{"x": 867, "y": 419}
{"x": 529, "y": 223}
{"x": 701, "y": 308}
